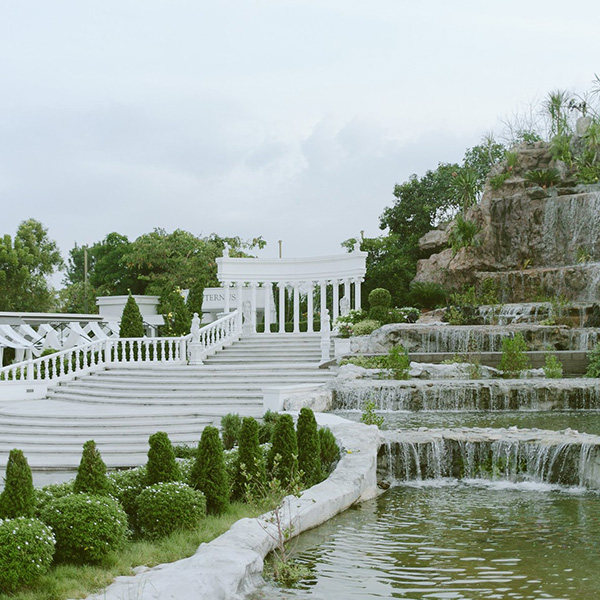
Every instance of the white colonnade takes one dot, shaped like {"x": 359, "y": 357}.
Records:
{"x": 304, "y": 287}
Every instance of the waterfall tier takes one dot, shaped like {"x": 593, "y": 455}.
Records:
{"x": 567, "y": 458}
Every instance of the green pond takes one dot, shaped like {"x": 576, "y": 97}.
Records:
{"x": 582, "y": 421}
{"x": 455, "y": 540}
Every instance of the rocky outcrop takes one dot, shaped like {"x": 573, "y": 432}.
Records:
{"x": 551, "y": 236}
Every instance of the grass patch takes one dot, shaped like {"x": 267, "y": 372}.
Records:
{"x": 68, "y": 581}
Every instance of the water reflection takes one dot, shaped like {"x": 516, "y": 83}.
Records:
{"x": 456, "y": 540}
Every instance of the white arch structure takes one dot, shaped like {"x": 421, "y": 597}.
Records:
{"x": 342, "y": 273}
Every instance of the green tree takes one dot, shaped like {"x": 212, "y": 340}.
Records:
{"x": 209, "y": 474}
{"x": 26, "y": 262}
{"x": 250, "y": 467}
{"x": 161, "y": 465}
{"x": 177, "y": 317}
{"x": 132, "y": 324}
{"x": 309, "y": 448}
{"x": 91, "y": 475}
{"x": 18, "y": 497}
{"x": 282, "y": 460}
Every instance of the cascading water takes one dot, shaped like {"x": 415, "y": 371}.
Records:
{"x": 566, "y": 458}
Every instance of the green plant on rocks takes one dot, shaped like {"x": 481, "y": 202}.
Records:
{"x": 593, "y": 369}
{"x": 26, "y": 552}
{"x": 553, "y": 368}
{"x": 162, "y": 465}
{"x": 250, "y": 469}
{"x": 169, "y": 506}
{"x": 282, "y": 459}
{"x": 87, "y": 528}
{"x": 18, "y": 497}
{"x": 514, "y": 356}
{"x": 209, "y": 474}
{"x": 369, "y": 416}
{"x": 309, "y": 448}
{"x": 91, "y": 475}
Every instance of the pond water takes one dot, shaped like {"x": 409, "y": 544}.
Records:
{"x": 456, "y": 540}
{"x": 583, "y": 421}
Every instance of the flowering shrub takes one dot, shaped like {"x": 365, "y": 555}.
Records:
{"x": 86, "y": 527}
{"x": 44, "y": 496}
{"x": 366, "y": 327}
{"x": 167, "y": 507}
{"x": 126, "y": 486}
{"x": 26, "y": 550}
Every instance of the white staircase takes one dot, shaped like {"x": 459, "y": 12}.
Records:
{"x": 121, "y": 406}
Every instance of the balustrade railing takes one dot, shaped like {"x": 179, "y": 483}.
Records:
{"x": 67, "y": 363}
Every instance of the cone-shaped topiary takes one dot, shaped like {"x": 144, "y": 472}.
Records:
{"x": 250, "y": 468}
{"x": 282, "y": 460}
{"x": 161, "y": 465}
{"x": 91, "y": 474}
{"x": 132, "y": 324}
{"x": 176, "y": 314}
{"x": 330, "y": 451}
{"x": 209, "y": 474}
{"x": 230, "y": 429}
{"x": 309, "y": 448}
{"x": 18, "y": 496}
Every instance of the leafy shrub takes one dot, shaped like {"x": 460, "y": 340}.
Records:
{"x": 369, "y": 416}
{"x": 250, "y": 468}
{"x": 184, "y": 451}
{"x": 398, "y": 362}
{"x": 176, "y": 314}
{"x": 463, "y": 234}
{"x": 162, "y": 465}
{"x": 545, "y": 178}
{"x": 91, "y": 474}
{"x": 209, "y": 474}
{"x": 230, "y": 429}
{"x": 406, "y": 314}
{"x": 18, "y": 496}
{"x": 497, "y": 181}
{"x": 593, "y": 369}
{"x": 514, "y": 356}
{"x": 353, "y": 317}
{"x": 265, "y": 431}
{"x": 26, "y": 551}
{"x": 378, "y": 314}
{"x": 330, "y": 451}
{"x": 132, "y": 324}
{"x": 44, "y": 496}
{"x": 170, "y": 506}
{"x": 380, "y": 297}
{"x": 427, "y": 294}
{"x": 126, "y": 486}
{"x": 87, "y": 528}
{"x": 282, "y": 460}
{"x": 309, "y": 449}
{"x": 553, "y": 368}
{"x": 366, "y": 327}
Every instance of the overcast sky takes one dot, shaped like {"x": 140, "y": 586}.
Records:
{"x": 290, "y": 119}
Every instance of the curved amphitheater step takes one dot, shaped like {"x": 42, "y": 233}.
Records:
{"x": 121, "y": 406}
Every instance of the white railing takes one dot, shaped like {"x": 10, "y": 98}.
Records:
{"x": 66, "y": 364}
{"x": 214, "y": 336}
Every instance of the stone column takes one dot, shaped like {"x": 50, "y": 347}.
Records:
{"x": 267, "y": 291}
{"x": 281, "y": 285}
{"x": 357, "y": 293}
{"x": 238, "y": 288}
{"x": 310, "y": 309}
{"x": 347, "y": 294}
{"x": 336, "y": 300}
{"x": 253, "y": 305}
{"x": 323, "y": 286}
{"x": 226, "y": 285}
{"x": 296, "y": 307}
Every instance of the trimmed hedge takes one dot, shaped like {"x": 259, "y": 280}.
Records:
{"x": 86, "y": 527}
{"x": 209, "y": 474}
{"x": 18, "y": 497}
{"x": 309, "y": 448}
{"x": 126, "y": 486}
{"x": 250, "y": 468}
{"x": 282, "y": 460}
{"x": 167, "y": 507}
{"x": 91, "y": 474}
{"x": 162, "y": 465}
{"x": 26, "y": 551}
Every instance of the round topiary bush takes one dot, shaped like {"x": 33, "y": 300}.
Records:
{"x": 44, "y": 496}
{"x": 91, "y": 474}
{"x": 18, "y": 497}
{"x": 309, "y": 450}
{"x": 162, "y": 465}
{"x": 366, "y": 327}
{"x": 167, "y": 507}
{"x": 126, "y": 486}
{"x": 26, "y": 551}
{"x": 209, "y": 474}
{"x": 86, "y": 527}
{"x": 380, "y": 297}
